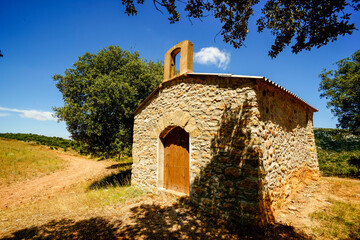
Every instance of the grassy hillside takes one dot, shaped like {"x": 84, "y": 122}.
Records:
{"x": 53, "y": 142}
{"x": 21, "y": 161}
{"x": 335, "y": 147}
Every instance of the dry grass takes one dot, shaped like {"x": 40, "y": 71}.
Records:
{"x": 339, "y": 221}
{"x": 346, "y": 188}
{"x": 111, "y": 195}
{"x": 76, "y": 203}
{"x": 341, "y": 218}
{"x": 92, "y": 197}
{"x": 21, "y": 161}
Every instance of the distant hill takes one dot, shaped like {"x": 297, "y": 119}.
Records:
{"x": 52, "y": 142}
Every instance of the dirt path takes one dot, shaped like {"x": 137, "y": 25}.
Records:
{"x": 154, "y": 217}
{"x": 317, "y": 196}
{"x": 78, "y": 169}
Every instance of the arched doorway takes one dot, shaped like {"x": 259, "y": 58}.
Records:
{"x": 176, "y": 160}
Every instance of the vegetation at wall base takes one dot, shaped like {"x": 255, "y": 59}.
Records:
{"x": 335, "y": 149}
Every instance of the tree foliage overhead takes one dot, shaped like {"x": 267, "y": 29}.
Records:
{"x": 309, "y": 23}
{"x": 100, "y": 94}
{"x": 342, "y": 88}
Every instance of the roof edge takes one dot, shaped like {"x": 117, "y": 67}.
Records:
{"x": 266, "y": 80}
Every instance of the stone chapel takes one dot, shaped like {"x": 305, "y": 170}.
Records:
{"x": 235, "y": 145}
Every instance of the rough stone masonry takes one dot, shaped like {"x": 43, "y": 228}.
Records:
{"x": 251, "y": 142}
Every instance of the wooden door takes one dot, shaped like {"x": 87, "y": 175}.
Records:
{"x": 176, "y": 160}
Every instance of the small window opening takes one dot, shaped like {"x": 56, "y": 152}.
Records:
{"x": 177, "y": 64}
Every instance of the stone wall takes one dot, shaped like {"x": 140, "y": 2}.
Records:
{"x": 288, "y": 144}
{"x": 248, "y": 142}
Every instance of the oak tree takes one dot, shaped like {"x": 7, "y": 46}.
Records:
{"x": 100, "y": 92}
{"x": 307, "y": 23}
{"x": 342, "y": 88}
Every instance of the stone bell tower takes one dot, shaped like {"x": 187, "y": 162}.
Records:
{"x": 186, "y": 59}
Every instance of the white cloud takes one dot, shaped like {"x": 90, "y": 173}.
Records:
{"x": 4, "y": 114}
{"x": 212, "y": 55}
{"x": 33, "y": 114}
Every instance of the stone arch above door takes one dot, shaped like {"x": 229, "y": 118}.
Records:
{"x": 178, "y": 118}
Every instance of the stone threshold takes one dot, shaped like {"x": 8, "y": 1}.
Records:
{"x": 171, "y": 192}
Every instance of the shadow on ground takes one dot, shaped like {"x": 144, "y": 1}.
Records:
{"x": 121, "y": 178}
{"x": 119, "y": 165}
{"x": 93, "y": 228}
{"x": 153, "y": 221}
{"x": 182, "y": 221}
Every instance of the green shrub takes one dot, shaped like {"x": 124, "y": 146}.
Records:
{"x": 335, "y": 148}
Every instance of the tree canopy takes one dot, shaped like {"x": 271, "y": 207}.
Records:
{"x": 309, "y": 23}
{"x": 342, "y": 88}
{"x": 100, "y": 94}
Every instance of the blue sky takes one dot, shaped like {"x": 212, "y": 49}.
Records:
{"x": 41, "y": 38}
